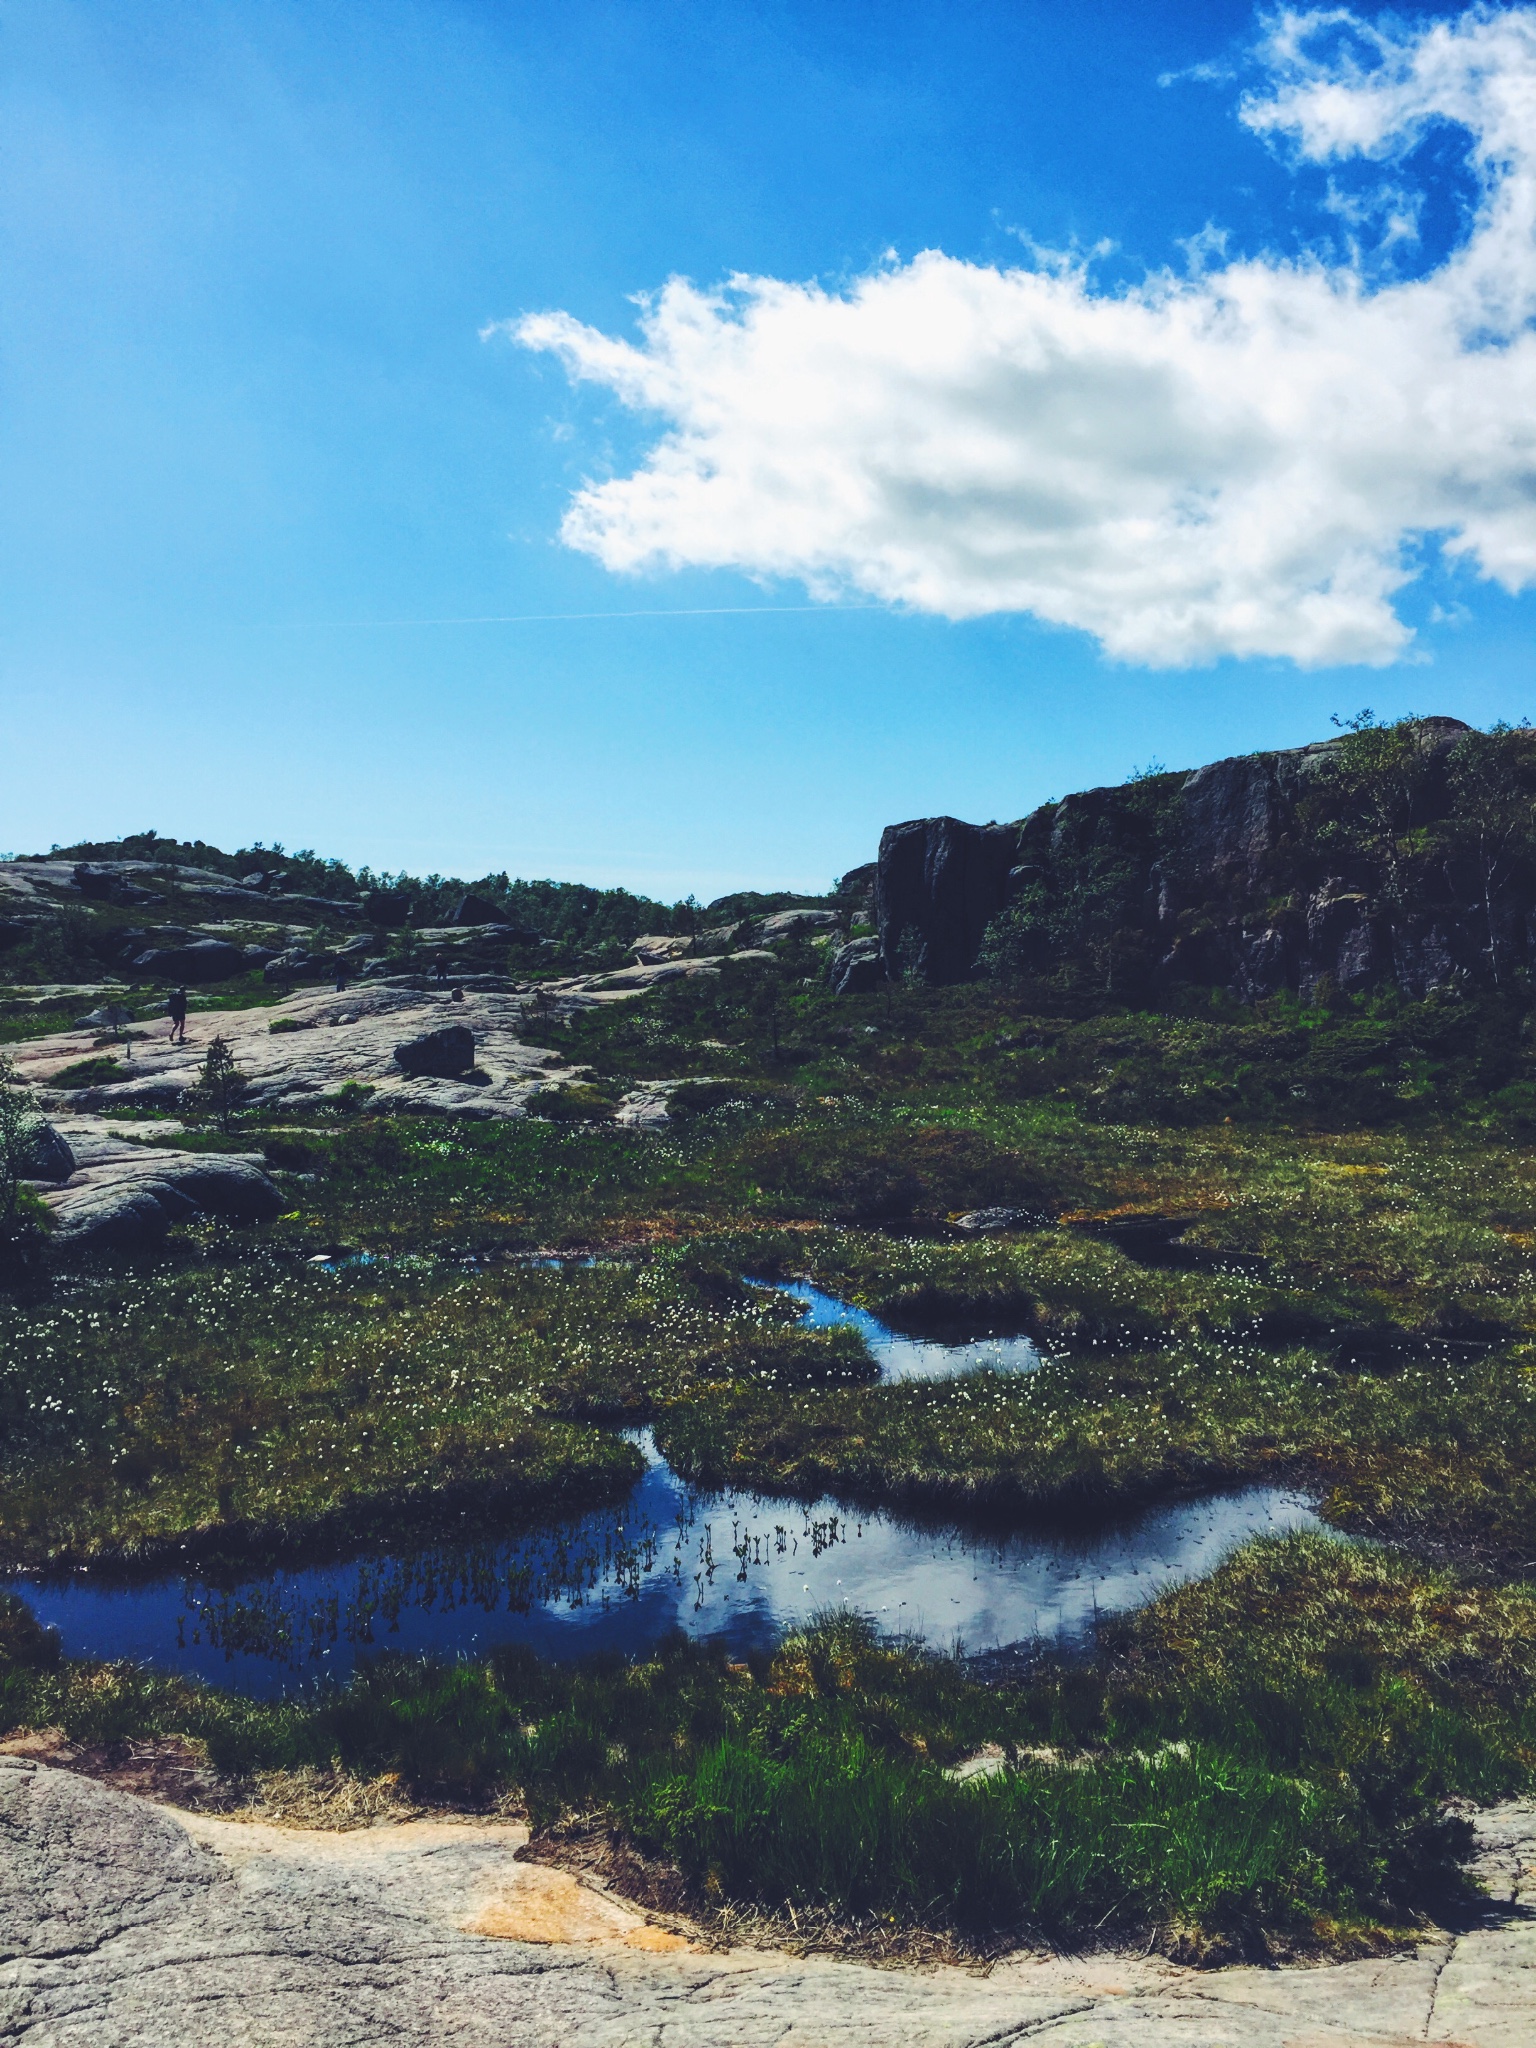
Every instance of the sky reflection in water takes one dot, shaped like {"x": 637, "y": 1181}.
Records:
{"x": 728, "y": 1564}
{"x": 910, "y": 1358}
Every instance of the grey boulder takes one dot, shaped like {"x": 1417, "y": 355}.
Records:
{"x": 857, "y": 968}
{"x": 202, "y": 960}
{"x": 439, "y": 1054}
{"x": 47, "y": 1156}
{"x": 125, "y": 1197}
{"x": 979, "y": 1222}
{"x": 791, "y": 924}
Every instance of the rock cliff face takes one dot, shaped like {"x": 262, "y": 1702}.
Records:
{"x": 1249, "y": 874}
{"x": 938, "y": 885}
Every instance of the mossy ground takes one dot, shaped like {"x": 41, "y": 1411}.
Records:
{"x": 1352, "y": 1305}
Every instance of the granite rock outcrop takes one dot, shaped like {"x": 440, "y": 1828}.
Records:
{"x": 1234, "y": 876}
{"x": 938, "y": 885}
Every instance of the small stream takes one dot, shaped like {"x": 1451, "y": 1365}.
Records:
{"x": 736, "y": 1565}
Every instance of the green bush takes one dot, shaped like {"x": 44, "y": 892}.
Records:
{"x": 99, "y": 1071}
{"x": 572, "y": 1102}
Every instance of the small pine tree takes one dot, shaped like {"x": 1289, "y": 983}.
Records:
{"x": 219, "y": 1086}
{"x": 18, "y": 1133}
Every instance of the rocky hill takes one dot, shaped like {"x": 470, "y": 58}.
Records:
{"x": 1401, "y": 854}
{"x": 151, "y": 913}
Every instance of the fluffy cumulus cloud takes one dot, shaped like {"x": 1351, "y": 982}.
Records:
{"x": 1237, "y": 461}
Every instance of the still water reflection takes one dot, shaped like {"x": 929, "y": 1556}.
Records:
{"x": 727, "y": 1564}
{"x": 910, "y": 1358}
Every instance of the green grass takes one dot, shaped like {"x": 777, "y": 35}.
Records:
{"x": 256, "y": 1401}
{"x": 1439, "y": 1453}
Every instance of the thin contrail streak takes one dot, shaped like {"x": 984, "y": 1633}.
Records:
{"x": 702, "y": 611}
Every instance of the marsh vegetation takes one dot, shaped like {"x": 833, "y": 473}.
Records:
{"x": 1282, "y": 1245}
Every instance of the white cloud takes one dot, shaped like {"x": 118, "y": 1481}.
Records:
{"x": 1235, "y": 460}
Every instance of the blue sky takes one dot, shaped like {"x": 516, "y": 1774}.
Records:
{"x": 255, "y": 435}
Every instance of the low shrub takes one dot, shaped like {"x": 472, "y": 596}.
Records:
{"x": 572, "y": 1102}
{"x": 98, "y": 1071}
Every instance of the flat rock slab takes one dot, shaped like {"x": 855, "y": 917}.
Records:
{"x": 124, "y": 1924}
{"x": 331, "y": 1039}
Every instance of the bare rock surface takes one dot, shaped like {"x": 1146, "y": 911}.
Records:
{"x": 121, "y": 1185}
{"x": 124, "y": 1924}
{"x": 650, "y": 1108}
{"x": 122, "y": 1194}
{"x": 324, "y": 1040}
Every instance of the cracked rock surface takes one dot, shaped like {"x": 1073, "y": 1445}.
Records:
{"x": 124, "y": 1924}
{"x": 326, "y": 1039}
{"x": 124, "y": 1192}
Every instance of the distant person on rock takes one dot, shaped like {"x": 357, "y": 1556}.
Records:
{"x": 341, "y": 977}
{"x": 177, "y": 1005}
{"x": 440, "y": 968}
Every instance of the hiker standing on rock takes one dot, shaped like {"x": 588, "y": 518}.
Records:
{"x": 177, "y": 1005}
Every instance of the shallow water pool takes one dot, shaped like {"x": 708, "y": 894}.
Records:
{"x": 734, "y": 1565}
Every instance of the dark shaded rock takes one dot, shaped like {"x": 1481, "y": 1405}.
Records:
{"x": 855, "y": 893}
{"x": 47, "y": 1155}
{"x": 109, "y": 884}
{"x": 939, "y": 884}
{"x": 857, "y": 968}
{"x": 298, "y": 964}
{"x": 202, "y": 960}
{"x": 475, "y": 910}
{"x": 236, "y": 1189}
{"x": 386, "y": 908}
{"x": 440, "y": 1054}
{"x": 1231, "y": 815}
{"x": 1222, "y": 878}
